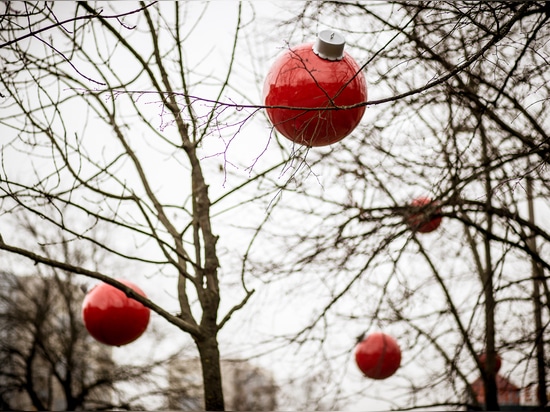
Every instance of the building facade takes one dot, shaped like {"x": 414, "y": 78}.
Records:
{"x": 245, "y": 387}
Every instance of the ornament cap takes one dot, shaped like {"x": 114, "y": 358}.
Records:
{"x": 329, "y": 45}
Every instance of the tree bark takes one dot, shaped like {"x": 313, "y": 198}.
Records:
{"x": 211, "y": 373}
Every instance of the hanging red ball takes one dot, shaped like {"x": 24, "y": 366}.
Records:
{"x": 425, "y": 215}
{"x": 113, "y": 318}
{"x": 483, "y": 359}
{"x": 315, "y": 76}
{"x": 378, "y": 356}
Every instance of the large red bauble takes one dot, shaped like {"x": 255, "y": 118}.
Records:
{"x": 378, "y": 356}
{"x": 483, "y": 359}
{"x": 300, "y": 78}
{"x": 113, "y": 318}
{"x": 424, "y": 222}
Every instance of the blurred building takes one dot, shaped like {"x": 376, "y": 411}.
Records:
{"x": 507, "y": 392}
{"x": 510, "y": 397}
{"x": 245, "y": 387}
{"x": 45, "y": 349}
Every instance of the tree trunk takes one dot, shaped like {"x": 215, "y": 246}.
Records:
{"x": 538, "y": 274}
{"x": 211, "y": 373}
{"x": 491, "y": 389}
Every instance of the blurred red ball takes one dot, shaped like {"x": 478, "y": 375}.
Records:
{"x": 378, "y": 356}
{"x": 427, "y": 218}
{"x": 300, "y": 78}
{"x": 498, "y": 361}
{"x": 113, "y": 318}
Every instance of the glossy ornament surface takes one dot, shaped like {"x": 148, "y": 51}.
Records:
{"x": 378, "y": 356}
{"x": 301, "y": 78}
{"x": 498, "y": 361}
{"x": 425, "y": 220}
{"x": 113, "y": 318}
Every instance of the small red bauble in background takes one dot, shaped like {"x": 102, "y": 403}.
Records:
{"x": 113, "y": 318}
{"x": 378, "y": 356}
{"x": 424, "y": 221}
{"x": 319, "y": 75}
{"x": 483, "y": 359}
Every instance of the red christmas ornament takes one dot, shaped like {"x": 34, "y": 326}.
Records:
{"x": 424, "y": 221}
{"x": 319, "y": 75}
{"x": 113, "y": 318}
{"x": 378, "y": 356}
{"x": 498, "y": 361}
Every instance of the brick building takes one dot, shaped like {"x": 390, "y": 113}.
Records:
{"x": 508, "y": 393}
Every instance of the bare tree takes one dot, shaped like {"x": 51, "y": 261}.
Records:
{"x": 463, "y": 121}
{"x": 68, "y": 58}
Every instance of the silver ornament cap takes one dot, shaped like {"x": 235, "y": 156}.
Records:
{"x": 329, "y": 45}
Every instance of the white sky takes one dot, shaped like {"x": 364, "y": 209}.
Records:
{"x": 207, "y": 50}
